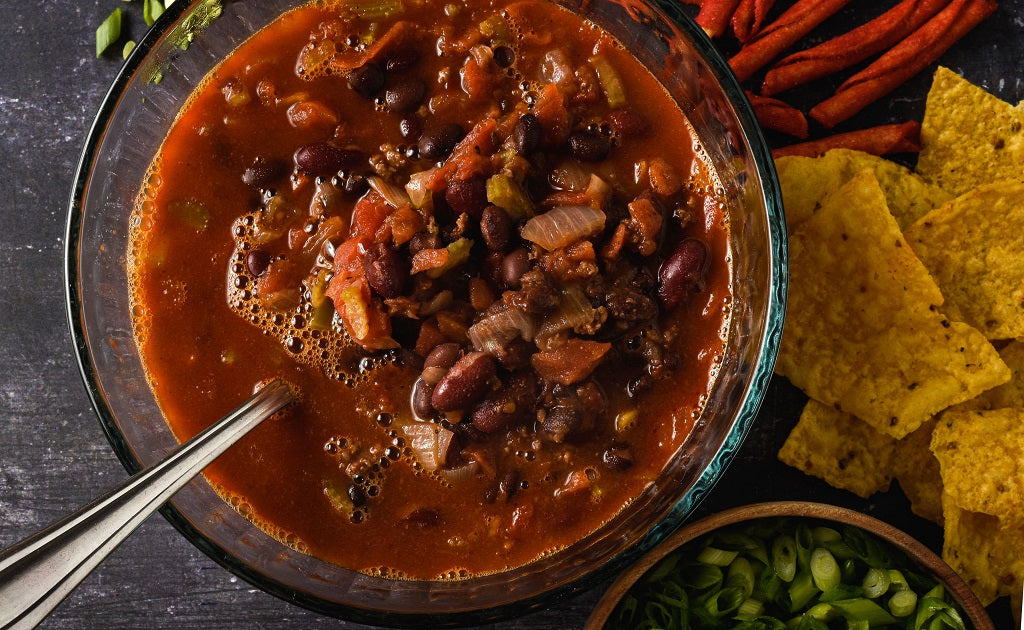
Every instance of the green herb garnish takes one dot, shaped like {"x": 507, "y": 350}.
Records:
{"x": 108, "y": 31}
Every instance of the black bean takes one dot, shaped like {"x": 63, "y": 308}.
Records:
{"x": 421, "y": 394}
{"x": 405, "y": 95}
{"x": 367, "y": 80}
{"x": 527, "y": 134}
{"x": 504, "y": 56}
{"x": 513, "y": 266}
{"x": 588, "y": 147}
{"x": 467, "y": 196}
{"x": 465, "y": 383}
{"x": 402, "y": 60}
{"x": 424, "y": 517}
{"x": 559, "y": 423}
{"x": 628, "y": 123}
{"x": 438, "y": 143}
{"x": 355, "y": 185}
{"x": 411, "y": 128}
{"x": 682, "y": 272}
{"x": 263, "y": 172}
{"x": 257, "y": 262}
{"x": 386, "y": 271}
{"x": 496, "y": 228}
{"x": 617, "y": 459}
{"x": 444, "y": 355}
{"x": 321, "y": 159}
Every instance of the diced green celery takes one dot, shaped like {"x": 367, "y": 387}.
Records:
{"x": 458, "y": 253}
{"x": 339, "y": 498}
{"x": 191, "y": 212}
{"x": 496, "y": 29}
{"x": 323, "y": 316}
{"x": 505, "y": 193}
{"x": 626, "y": 419}
{"x": 611, "y": 82}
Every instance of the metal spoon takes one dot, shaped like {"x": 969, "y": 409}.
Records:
{"x": 40, "y": 571}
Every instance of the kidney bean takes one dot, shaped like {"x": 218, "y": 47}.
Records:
{"x": 682, "y": 272}
{"x": 444, "y": 355}
{"x": 496, "y": 228}
{"x": 405, "y": 95}
{"x": 257, "y": 262}
{"x": 386, "y": 271}
{"x": 321, "y": 159}
{"x": 527, "y": 134}
{"x": 421, "y": 394}
{"x": 411, "y": 128}
{"x": 367, "y": 80}
{"x": 438, "y": 143}
{"x": 517, "y": 354}
{"x": 467, "y": 195}
{"x": 465, "y": 383}
{"x": 263, "y": 172}
{"x": 513, "y": 266}
{"x": 588, "y": 147}
{"x": 495, "y": 412}
{"x": 628, "y": 123}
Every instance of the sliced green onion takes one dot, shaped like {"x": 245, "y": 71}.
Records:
{"x": 703, "y": 576}
{"x": 801, "y": 591}
{"x": 784, "y": 557}
{"x": 857, "y": 624}
{"x": 804, "y": 546}
{"x": 717, "y": 557}
{"x": 875, "y": 583}
{"x": 741, "y": 575}
{"x": 749, "y": 609}
{"x": 824, "y": 569}
{"x": 896, "y": 580}
{"x": 862, "y": 608}
{"x": 902, "y": 603}
{"x": 842, "y": 591}
{"x": 823, "y": 536}
{"x": 108, "y": 32}
{"x": 151, "y": 10}
{"x": 129, "y": 46}
{"x": 744, "y": 543}
{"x": 822, "y": 612}
{"x": 724, "y": 601}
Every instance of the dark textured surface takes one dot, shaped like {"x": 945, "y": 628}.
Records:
{"x": 53, "y": 455}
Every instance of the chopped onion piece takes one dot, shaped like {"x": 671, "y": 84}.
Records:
{"x": 563, "y": 225}
{"x": 429, "y": 443}
{"x": 394, "y": 195}
{"x": 417, "y": 189}
{"x": 574, "y": 309}
{"x": 492, "y": 333}
{"x": 569, "y": 175}
{"x": 462, "y": 473}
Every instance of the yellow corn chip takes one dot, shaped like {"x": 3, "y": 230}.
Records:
{"x": 807, "y": 182}
{"x": 863, "y": 331}
{"x": 981, "y": 455}
{"x": 917, "y": 471}
{"x": 968, "y": 137}
{"x": 968, "y": 547}
{"x": 974, "y": 248}
{"x": 840, "y": 449}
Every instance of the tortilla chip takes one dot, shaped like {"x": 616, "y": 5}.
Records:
{"x": 917, "y": 471}
{"x": 981, "y": 455}
{"x": 968, "y": 136}
{"x": 840, "y": 449}
{"x": 968, "y": 547}
{"x": 806, "y": 182}
{"x": 863, "y": 331}
{"x": 974, "y": 248}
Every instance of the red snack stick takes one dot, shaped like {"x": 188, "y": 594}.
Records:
{"x": 850, "y": 48}
{"x": 882, "y": 140}
{"x": 749, "y": 16}
{"x": 778, "y": 115}
{"x": 903, "y": 61}
{"x": 714, "y": 16}
{"x": 797, "y": 21}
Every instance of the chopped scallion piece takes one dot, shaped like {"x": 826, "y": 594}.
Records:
{"x": 824, "y": 569}
{"x": 129, "y": 46}
{"x": 717, "y": 557}
{"x": 902, "y": 603}
{"x": 784, "y": 557}
{"x": 875, "y": 583}
{"x": 151, "y": 10}
{"x": 108, "y": 32}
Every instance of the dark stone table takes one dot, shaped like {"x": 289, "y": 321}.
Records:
{"x": 53, "y": 455}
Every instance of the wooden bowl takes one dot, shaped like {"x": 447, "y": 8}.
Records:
{"x": 922, "y": 556}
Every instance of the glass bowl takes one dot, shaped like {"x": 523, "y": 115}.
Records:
{"x": 139, "y": 109}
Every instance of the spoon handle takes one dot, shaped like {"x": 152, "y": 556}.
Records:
{"x": 40, "y": 571}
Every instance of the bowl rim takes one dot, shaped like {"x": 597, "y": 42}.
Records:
{"x": 916, "y": 551}
{"x": 774, "y": 314}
